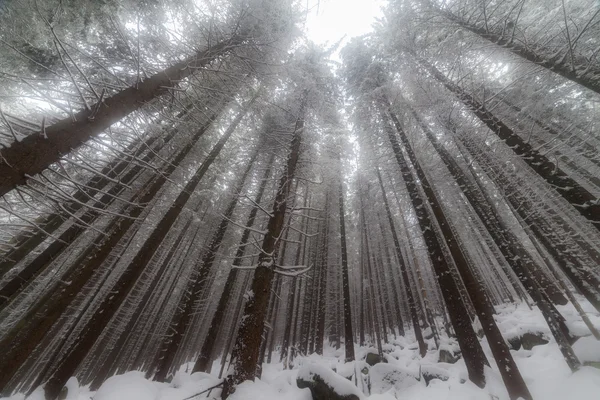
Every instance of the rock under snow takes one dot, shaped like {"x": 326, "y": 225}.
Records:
{"x": 587, "y": 349}
{"x": 325, "y": 384}
{"x": 130, "y": 386}
{"x": 384, "y": 377}
{"x": 374, "y": 358}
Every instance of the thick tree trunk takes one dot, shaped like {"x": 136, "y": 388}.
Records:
{"x": 583, "y": 279}
{"x": 580, "y": 198}
{"x": 18, "y": 344}
{"x": 513, "y": 251}
{"x": 27, "y": 242}
{"x": 39, "y": 263}
{"x": 249, "y": 337}
{"x": 37, "y": 152}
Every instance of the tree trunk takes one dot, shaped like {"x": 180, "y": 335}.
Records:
{"x": 473, "y": 355}
{"x": 39, "y": 263}
{"x": 509, "y": 371}
{"x": 37, "y": 152}
{"x": 412, "y": 304}
{"x": 585, "y": 75}
{"x": 203, "y": 361}
{"x": 21, "y": 341}
{"x": 247, "y": 344}
{"x": 184, "y": 313}
{"x": 78, "y": 350}
{"x": 348, "y": 333}
{"x": 580, "y": 198}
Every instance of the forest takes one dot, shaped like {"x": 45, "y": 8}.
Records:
{"x": 203, "y": 199}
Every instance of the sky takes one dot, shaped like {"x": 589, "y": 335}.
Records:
{"x": 330, "y": 20}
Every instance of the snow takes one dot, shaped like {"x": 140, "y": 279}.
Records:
{"x": 543, "y": 368}
{"x": 587, "y": 349}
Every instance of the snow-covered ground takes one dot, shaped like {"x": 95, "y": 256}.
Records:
{"x": 543, "y": 368}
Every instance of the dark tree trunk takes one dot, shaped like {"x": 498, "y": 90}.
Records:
{"x": 473, "y": 355}
{"x": 36, "y": 152}
{"x": 247, "y": 344}
{"x": 203, "y": 360}
{"x": 21, "y": 341}
{"x": 348, "y": 333}
{"x": 580, "y": 198}
{"x": 78, "y": 350}
{"x": 583, "y": 279}
{"x": 485, "y": 311}
{"x": 513, "y": 251}
{"x": 322, "y": 301}
{"x": 39, "y": 263}
{"x": 585, "y": 75}
{"x": 184, "y": 313}
{"x": 412, "y": 304}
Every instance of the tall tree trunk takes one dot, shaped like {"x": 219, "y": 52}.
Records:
{"x": 513, "y": 251}
{"x": 39, "y": 263}
{"x": 18, "y": 344}
{"x": 348, "y": 333}
{"x": 580, "y": 198}
{"x": 580, "y": 275}
{"x": 203, "y": 361}
{"x": 472, "y": 352}
{"x": 322, "y": 300}
{"x": 36, "y": 152}
{"x": 184, "y": 313}
{"x": 249, "y": 336}
{"x": 107, "y": 308}
{"x": 485, "y": 311}
{"x": 412, "y": 304}
{"x": 585, "y": 75}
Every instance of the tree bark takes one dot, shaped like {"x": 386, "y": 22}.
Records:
{"x": 37, "y": 152}
{"x": 247, "y": 344}
{"x": 580, "y": 198}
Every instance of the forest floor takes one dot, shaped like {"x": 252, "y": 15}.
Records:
{"x": 543, "y": 368}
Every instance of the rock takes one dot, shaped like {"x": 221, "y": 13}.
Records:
{"x": 431, "y": 372}
{"x": 324, "y": 384}
{"x": 384, "y": 377}
{"x": 531, "y": 339}
{"x": 514, "y": 343}
{"x": 374, "y": 358}
{"x": 446, "y": 356}
{"x": 365, "y": 371}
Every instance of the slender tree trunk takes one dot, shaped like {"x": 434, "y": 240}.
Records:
{"x": 348, "y": 333}
{"x": 580, "y": 198}
{"x": 247, "y": 345}
{"x": 412, "y": 304}
{"x": 322, "y": 302}
{"x": 584, "y": 75}
{"x": 184, "y": 313}
{"x": 508, "y": 368}
{"x": 78, "y": 350}
{"x": 472, "y": 352}
{"x": 203, "y": 361}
